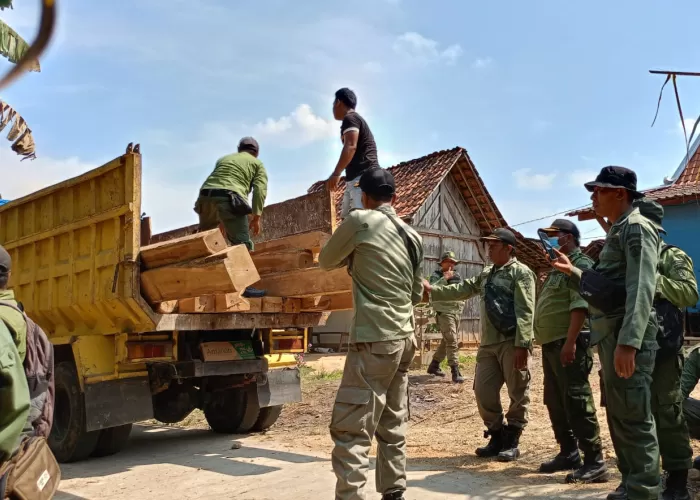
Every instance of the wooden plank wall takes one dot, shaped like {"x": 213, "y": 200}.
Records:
{"x": 445, "y": 223}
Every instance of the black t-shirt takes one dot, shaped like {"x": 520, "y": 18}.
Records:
{"x": 366, "y": 153}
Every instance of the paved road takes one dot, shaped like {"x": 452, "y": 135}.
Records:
{"x": 173, "y": 464}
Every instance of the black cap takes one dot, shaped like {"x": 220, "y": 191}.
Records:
{"x": 249, "y": 143}
{"x": 377, "y": 182}
{"x": 501, "y": 234}
{"x": 5, "y": 261}
{"x": 563, "y": 226}
{"x": 616, "y": 177}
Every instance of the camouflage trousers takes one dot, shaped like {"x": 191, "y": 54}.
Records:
{"x": 569, "y": 399}
{"x": 494, "y": 367}
{"x": 372, "y": 400}
{"x": 667, "y": 406}
{"x": 215, "y": 210}
{"x": 631, "y": 422}
{"x": 691, "y": 412}
{"x": 448, "y": 324}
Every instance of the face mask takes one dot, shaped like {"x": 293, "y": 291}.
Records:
{"x": 554, "y": 241}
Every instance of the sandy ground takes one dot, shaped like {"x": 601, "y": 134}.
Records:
{"x": 291, "y": 460}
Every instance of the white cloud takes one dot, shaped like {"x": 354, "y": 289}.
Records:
{"x": 578, "y": 178}
{"x": 525, "y": 180}
{"x": 393, "y": 2}
{"x": 482, "y": 62}
{"x": 689, "y": 122}
{"x": 417, "y": 48}
{"x": 36, "y": 174}
{"x": 299, "y": 128}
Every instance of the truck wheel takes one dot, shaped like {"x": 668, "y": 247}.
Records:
{"x": 267, "y": 418}
{"x": 252, "y": 409}
{"x": 112, "y": 440}
{"x": 69, "y": 441}
{"x": 226, "y": 410}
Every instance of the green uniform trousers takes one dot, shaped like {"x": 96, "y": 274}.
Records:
{"x": 631, "y": 421}
{"x": 372, "y": 400}
{"x": 448, "y": 324}
{"x": 667, "y": 406}
{"x": 691, "y": 412}
{"x": 569, "y": 399}
{"x": 213, "y": 210}
{"x": 494, "y": 367}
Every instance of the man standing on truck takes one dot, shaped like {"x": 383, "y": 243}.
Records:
{"x": 624, "y": 327}
{"x": 567, "y": 360}
{"x": 359, "y": 150}
{"x": 447, "y": 316}
{"x": 384, "y": 256}
{"x": 507, "y": 290}
{"x": 223, "y": 198}
{"x": 12, "y": 318}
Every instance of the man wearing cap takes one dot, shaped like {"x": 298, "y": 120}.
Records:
{"x": 359, "y": 152}
{"x": 12, "y": 318}
{"x": 384, "y": 257}
{"x": 626, "y": 334}
{"x": 223, "y": 198}
{"x": 507, "y": 289}
{"x": 567, "y": 360}
{"x": 14, "y": 391}
{"x": 447, "y": 316}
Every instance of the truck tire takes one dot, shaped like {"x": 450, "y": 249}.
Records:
{"x": 112, "y": 440}
{"x": 252, "y": 409}
{"x": 226, "y": 410}
{"x": 267, "y": 418}
{"x": 69, "y": 441}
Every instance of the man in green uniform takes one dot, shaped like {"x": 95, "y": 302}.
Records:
{"x": 626, "y": 333}
{"x": 384, "y": 257}
{"x": 691, "y": 406}
{"x": 567, "y": 360}
{"x": 12, "y": 318}
{"x": 447, "y": 316}
{"x": 507, "y": 289}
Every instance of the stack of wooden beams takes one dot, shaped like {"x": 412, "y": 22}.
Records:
{"x": 185, "y": 271}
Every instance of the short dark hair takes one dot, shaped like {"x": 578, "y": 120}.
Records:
{"x": 347, "y": 97}
{"x": 381, "y": 198}
{"x": 4, "y": 278}
{"x": 248, "y": 149}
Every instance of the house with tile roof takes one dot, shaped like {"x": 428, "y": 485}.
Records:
{"x": 680, "y": 197}
{"x": 445, "y": 200}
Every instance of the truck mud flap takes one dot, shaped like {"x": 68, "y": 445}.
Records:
{"x": 117, "y": 402}
{"x": 280, "y": 387}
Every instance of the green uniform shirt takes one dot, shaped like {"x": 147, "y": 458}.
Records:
{"x": 15, "y": 322}
{"x": 556, "y": 301}
{"x": 514, "y": 276}
{"x": 691, "y": 371}
{"x": 384, "y": 283}
{"x": 629, "y": 257}
{"x": 448, "y": 307}
{"x": 240, "y": 173}
{"x": 14, "y": 395}
{"x": 676, "y": 279}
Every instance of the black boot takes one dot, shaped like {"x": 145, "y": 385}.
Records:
{"x": 565, "y": 460}
{"x": 594, "y": 470}
{"x": 253, "y": 293}
{"x": 620, "y": 493}
{"x": 676, "y": 486}
{"x": 394, "y": 495}
{"x": 456, "y": 376}
{"x": 495, "y": 444}
{"x": 511, "y": 440}
{"x": 434, "y": 369}
{"x": 696, "y": 463}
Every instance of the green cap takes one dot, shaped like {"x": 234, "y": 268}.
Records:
{"x": 449, "y": 256}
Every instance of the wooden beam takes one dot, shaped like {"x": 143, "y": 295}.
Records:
{"x": 679, "y": 73}
{"x": 336, "y": 302}
{"x": 182, "y": 249}
{"x": 146, "y": 231}
{"x": 312, "y": 241}
{"x": 203, "y": 303}
{"x": 167, "y": 307}
{"x": 311, "y": 212}
{"x": 238, "y": 321}
{"x": 231, "y": 270}
{"x": 282, "y": 260}
{"x": 307, "y": 282}
{"x": 231, "y": 302}
{"x": 174, "y": 233}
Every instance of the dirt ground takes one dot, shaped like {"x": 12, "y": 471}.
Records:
{"x": 444, "y": 431}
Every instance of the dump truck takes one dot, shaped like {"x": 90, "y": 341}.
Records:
{"x": 120, "y": 359}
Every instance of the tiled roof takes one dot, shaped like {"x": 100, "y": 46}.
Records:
{"x": 684, "y": 189}
{"x": 417, "y": 179}
{"x": 593, "y": 249}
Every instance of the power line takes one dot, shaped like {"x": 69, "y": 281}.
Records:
{"x": 548, "y": 216}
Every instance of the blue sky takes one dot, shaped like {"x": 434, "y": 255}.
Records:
{"x": 542, "y": 94}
